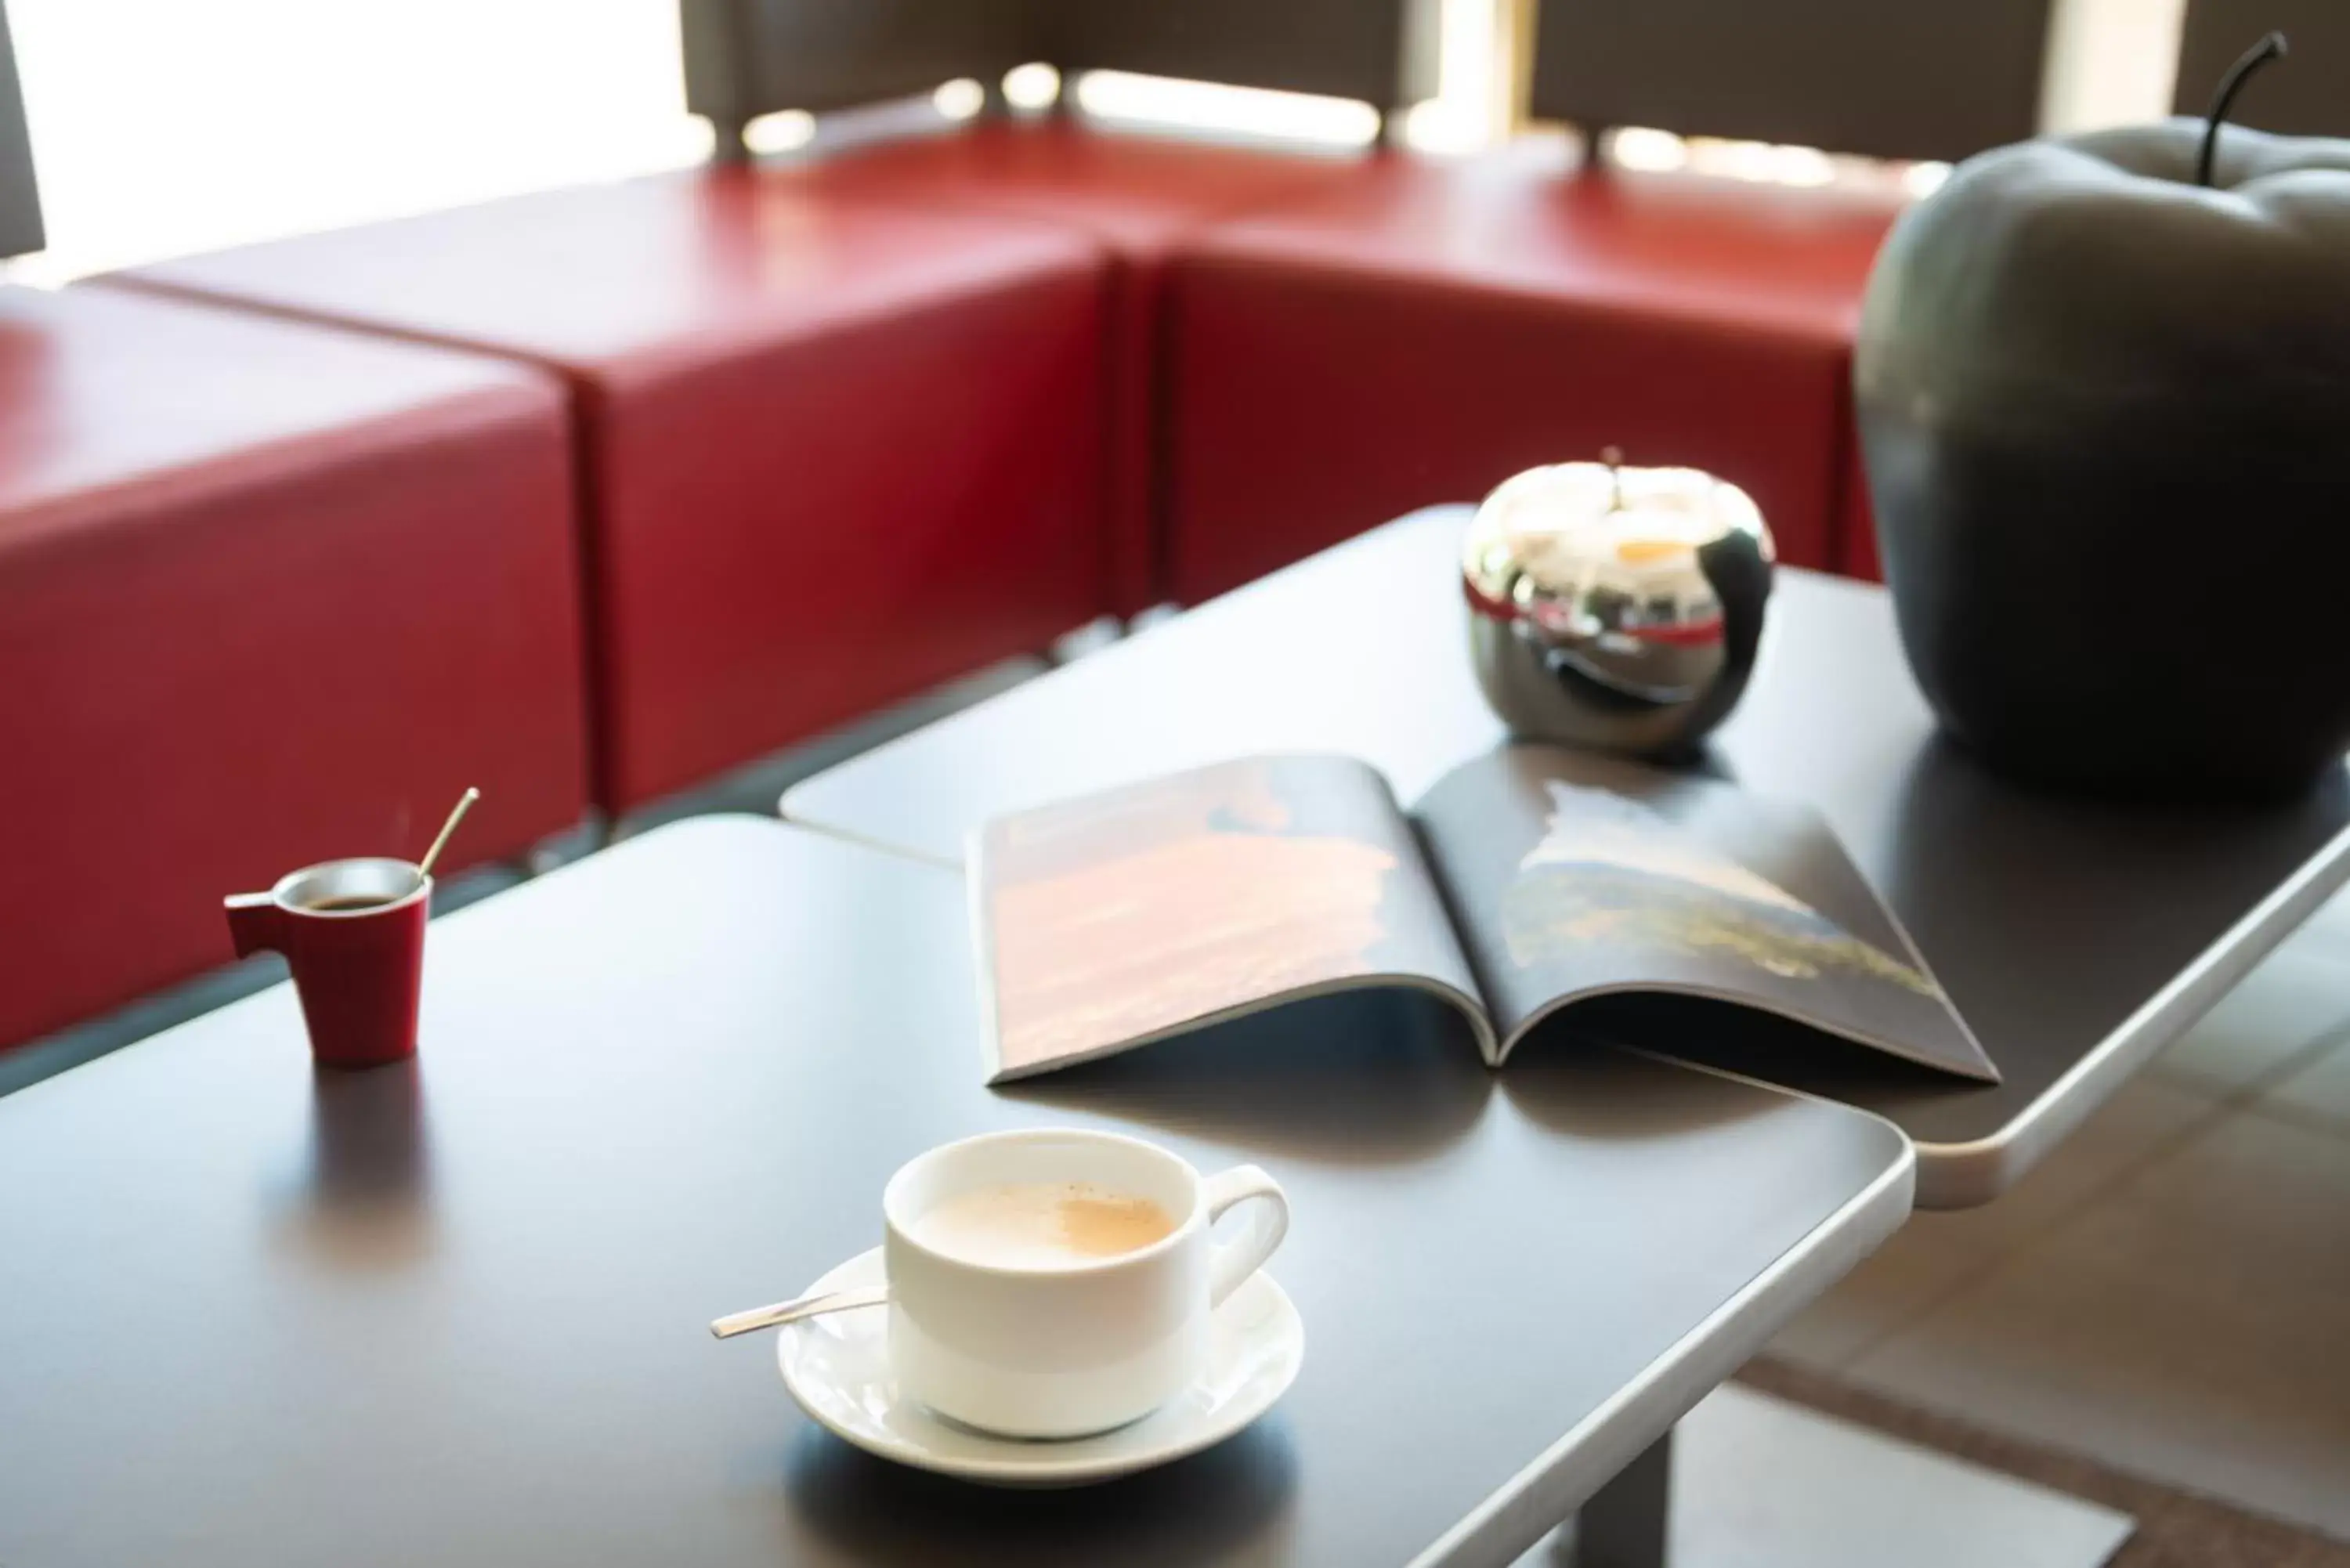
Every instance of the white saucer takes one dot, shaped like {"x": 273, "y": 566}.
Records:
{"x": 837, "y": 1367}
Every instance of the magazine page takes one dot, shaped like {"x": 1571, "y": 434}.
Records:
{"x": 1574, "y": 874}
{"x": 1113, "y": 920}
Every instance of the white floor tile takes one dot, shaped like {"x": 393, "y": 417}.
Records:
{"x": 1935, "y": 1254}
{"x": 2188, "y": 1326}
{"x": 2328, "y": 930}
{"x": 1763, "y": 1483}
{"x": 2298, "y": 995}
{"x": 1760, "y": 1483}
{"x": 2318, "y": 1095}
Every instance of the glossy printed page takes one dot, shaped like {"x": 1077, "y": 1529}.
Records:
{"x": 1110, "y": 920}
{"x": 1576, "y": 876}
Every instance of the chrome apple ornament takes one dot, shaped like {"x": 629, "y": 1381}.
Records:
{"x": 1613, "y": 606}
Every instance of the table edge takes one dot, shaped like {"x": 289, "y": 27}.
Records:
{"x": 1519, "y": 1512}
{"x": 1964, "y": 1175}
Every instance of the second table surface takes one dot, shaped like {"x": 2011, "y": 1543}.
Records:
{"x": 2076, "y": 938}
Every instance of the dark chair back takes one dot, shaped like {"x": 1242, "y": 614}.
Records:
{"x": 1892, "y": 78}
{"x": 20, "y": 197}
{"x": 749, "y": 57}
{"x": 1380, "y": 51}
{"x": 2305, "y": 94}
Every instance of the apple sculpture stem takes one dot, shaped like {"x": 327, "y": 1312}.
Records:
{"x": 2271, "y": 47}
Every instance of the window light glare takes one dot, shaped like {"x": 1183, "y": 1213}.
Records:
{"x": 1032, "y": 87}
{"x": 1734, "y": 160}
{"x": 1802, "y": 166}
{"x": 1216, "y": 105}
{"x": 1759, "y": 162}
{"x": 1658, "y": 151}
{"x": 960, "y": 99}
{"x": 692, "y": 142}
{"x": 1922, "y": 179}
{"x": 1432, "y": 125}
{"x": 1764, "y": 162}
{"x": 786, "y": 131}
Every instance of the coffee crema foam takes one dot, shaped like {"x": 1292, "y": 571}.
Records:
{"x": 1041, "y": 1224}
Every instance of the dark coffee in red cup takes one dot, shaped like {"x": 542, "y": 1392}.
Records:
{"x": 353, "y": 933}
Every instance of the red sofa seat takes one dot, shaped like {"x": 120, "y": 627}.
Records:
{"x": 1859, "y": 557}
{"x": 1138, "y": 195}
{"x": 269, "y": 594}
{"x": 1429, "y": 329}
{"x": 832, "y": 451}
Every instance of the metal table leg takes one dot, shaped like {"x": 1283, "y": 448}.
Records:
{"x": 1624, "y": 1523}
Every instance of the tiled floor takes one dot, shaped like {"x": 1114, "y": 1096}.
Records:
{"x": 1759, "y": 1482}
{"x": 2169, "y": 1293}
{"x": 1762, "y": 1483}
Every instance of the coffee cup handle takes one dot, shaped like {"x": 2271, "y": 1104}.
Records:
{"x": 1231, "y": 1263}
{"x": 254, "y": 924}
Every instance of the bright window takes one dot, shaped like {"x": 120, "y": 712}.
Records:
{"x": 162, "y": 127}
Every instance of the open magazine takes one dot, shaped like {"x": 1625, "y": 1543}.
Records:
{"x": 1526, "y": 881}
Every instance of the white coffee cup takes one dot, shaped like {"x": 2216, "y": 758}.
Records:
{"x": 1072, "y": 1347}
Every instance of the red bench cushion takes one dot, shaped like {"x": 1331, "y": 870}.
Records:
{"x": 835, "y": 452}
{"x": 269, "y": 594}
{"x": 1137, "y": 196}
{"x": 1859, "y": 543}
{"x": 1431, "y": 328}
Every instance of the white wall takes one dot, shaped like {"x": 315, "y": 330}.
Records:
{"x": 2110, "y": 62}
{"x": 162, "y": 127}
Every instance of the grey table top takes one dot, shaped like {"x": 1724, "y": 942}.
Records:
{"x": 2077, "y": 940}
{"x": 454, "y": 1314}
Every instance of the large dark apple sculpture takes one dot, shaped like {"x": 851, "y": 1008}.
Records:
{"x": 2104, "y": 390}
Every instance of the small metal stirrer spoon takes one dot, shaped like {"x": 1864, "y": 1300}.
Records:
{"x": 456, "y": 815}
{"x": 727, "y": 1327}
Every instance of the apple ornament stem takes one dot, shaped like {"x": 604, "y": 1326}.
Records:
{"x": 2103, "y": 384}
{"x": 2271, "y": 47}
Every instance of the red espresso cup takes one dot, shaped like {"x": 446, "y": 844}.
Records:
{"x": 353, "y": 933}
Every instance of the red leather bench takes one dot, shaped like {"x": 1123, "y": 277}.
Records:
{"x": 1428, "y": 328}
{"x": 1138, "y": 195}
{"x": 1858, "y": 529}
{"x": 832, "y": 451}
{"x": 268, "y": 595}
